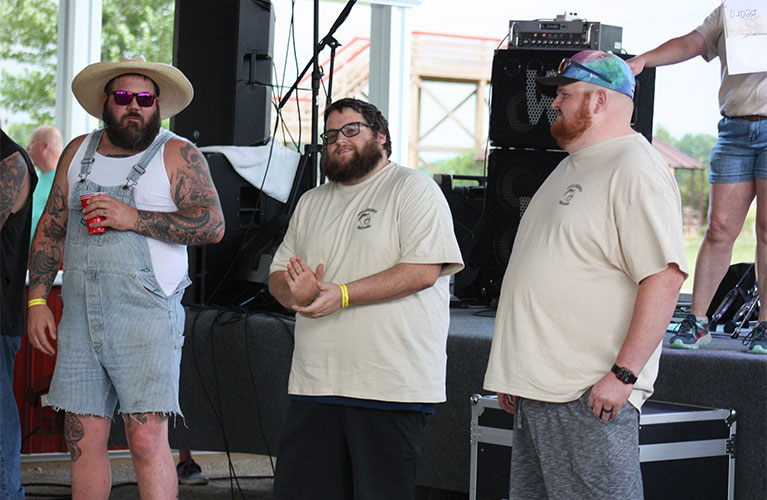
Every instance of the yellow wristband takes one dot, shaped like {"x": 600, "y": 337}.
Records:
{"x": 37, "y": 302}
{"x": 344, "y": 296}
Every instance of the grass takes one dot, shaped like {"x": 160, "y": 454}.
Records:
{"x": 742, "y": 251}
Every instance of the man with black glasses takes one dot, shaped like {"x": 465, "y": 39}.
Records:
{"x": 126, "y": 200}
{"x": 365, "y": 263}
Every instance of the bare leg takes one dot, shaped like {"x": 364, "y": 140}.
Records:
{"x": 728, "y": 206}
{"x": 147, "y": 435}
{"x": 184, "y": 455}
{"x": 86, "y": 438}
{"x": 761, "y": 246}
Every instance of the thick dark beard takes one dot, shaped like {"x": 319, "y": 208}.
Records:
{"x": 357, "y": 167}
{"x": 131, "y": 137}
{"x": 567, "y": 131}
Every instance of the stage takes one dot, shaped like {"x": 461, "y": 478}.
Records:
{"x": 235, "y": 369}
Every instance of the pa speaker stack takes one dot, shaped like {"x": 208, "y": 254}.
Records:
{"x": 523, "y": 151}
{"x": 225, "y": 49}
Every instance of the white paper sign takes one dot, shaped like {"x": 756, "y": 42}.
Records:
{"x": 745, "y": 30}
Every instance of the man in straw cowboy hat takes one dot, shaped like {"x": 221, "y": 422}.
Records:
{"x": 125, "y": 269}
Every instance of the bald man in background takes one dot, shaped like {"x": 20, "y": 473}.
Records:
{"x": 44, "y": 148}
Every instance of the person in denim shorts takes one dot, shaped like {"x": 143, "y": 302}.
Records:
{"x": 125, "y": 269}
{"x": 738, "y": 174}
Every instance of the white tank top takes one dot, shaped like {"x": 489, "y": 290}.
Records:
{"x": 169, "y": 260}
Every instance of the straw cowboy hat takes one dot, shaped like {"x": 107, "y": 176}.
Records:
{"x": 176, "y": 91}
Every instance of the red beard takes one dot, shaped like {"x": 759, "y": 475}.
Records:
{"x": 568, "y": 130}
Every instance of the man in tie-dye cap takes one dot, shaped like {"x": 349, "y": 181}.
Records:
{"x": 589, "y": 291}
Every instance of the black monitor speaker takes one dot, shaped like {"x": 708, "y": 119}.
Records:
{"x": 520, "y": 116}
{"x": 513, "y": 178}
{"x": 465, "y": 195}
{"x": 247, "y": 212}
{"x": 225, "y": 49}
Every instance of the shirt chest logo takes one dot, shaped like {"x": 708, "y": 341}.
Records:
{"x": 365, "y": 218}
{"x": 570, "y": 193}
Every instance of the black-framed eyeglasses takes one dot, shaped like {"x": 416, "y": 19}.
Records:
{"x": 124, "y": 97}
{"x": 567, "y": 62}
{"x": 349, "y": 130}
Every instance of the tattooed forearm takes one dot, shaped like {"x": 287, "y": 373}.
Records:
{"x": 188, "y": 227}
{"x": 12, "y": 172}
{"x": 199, "y": 220}
{"x": 45, "y": 256}
{"x": 73, "y": 434}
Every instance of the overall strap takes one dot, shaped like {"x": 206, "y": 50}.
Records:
{"x": 140, "y": 168}
{"x": 87, "y": 162}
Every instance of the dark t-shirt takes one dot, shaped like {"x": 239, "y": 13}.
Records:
{"x": 14, "y": 251}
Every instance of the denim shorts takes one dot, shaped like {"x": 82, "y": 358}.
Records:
{"x": 124, "y": 346}
{"x": 740, "y": 153}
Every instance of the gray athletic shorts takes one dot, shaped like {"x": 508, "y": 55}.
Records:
{"x": 563, "y": 451}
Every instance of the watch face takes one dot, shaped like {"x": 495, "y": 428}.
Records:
{"x": 624, "y": 375}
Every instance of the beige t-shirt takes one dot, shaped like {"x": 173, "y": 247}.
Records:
{"x": 394, "y": 351}
{"x": 739, "y": 95}
{"x": 605, "y": 219}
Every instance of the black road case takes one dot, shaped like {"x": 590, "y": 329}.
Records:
{"x": 685, "y": 451}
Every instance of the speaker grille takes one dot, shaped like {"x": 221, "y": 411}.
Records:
{"x": 520, "y": 116}
{"x": 514, "y": 176}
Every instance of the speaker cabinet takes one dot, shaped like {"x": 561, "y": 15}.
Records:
{"x": 246, "y": 212}
{"x": 513, "y": 178}
{"x": 520, "y": 116}
{"x": 225, "y": 49}
{"x": 465, "y": 195}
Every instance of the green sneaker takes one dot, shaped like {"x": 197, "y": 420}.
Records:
{"x": 758, "y": 339}
{"x": 692, "y": 333}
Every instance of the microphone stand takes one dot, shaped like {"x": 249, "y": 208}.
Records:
{"x": 313, "y": 149}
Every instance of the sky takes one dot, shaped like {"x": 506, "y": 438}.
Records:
{"x": 685, "y": 94}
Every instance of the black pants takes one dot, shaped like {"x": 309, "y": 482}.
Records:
{"x": 339, "y": 452}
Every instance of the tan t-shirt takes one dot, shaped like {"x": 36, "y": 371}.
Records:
{"x": 605, "y": 219}
{"x": 739, "y": 95}
{"x": 393, "y": 351}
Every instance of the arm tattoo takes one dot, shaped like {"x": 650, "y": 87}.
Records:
{"x": 73, "y": 434}
{"x": 46, "y": 252}
{"x": 12, "y": 172}
{"x": 45, "y": 257}
{"x": 199, "y": 219}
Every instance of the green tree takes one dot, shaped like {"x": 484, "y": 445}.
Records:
{"x": 464, "y": 164}
{"x": 29, "y": 38}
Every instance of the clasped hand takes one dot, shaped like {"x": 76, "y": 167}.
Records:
{"x": 313, "y": 297}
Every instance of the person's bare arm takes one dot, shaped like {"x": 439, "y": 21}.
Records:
{"x": 673, "y": 51}
{"x": 46, "y": 252}
{"x": 198, "y": 220}
{"x": 653, "y": 308}
{"x": 14, "y": 186}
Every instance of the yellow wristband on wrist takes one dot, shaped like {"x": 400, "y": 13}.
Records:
{"x": 37, "y": 302}
{"x": 344, "y": 296}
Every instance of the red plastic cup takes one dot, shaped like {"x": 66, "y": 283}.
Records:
{"x": 84, "y": 202}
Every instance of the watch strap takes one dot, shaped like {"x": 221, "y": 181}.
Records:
{"x": 624, "y": 374}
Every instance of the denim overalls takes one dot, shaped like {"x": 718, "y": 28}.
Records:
{"x": 120, "y": 335}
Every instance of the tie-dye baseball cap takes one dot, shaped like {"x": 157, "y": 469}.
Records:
{"x": 592, "y": 66}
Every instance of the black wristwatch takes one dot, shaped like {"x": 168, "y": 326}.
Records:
{"x": 624, "y": 374}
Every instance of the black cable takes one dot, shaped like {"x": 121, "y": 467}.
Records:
{"x": 217, "y": 409}
{"x": 30, "y": 434}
